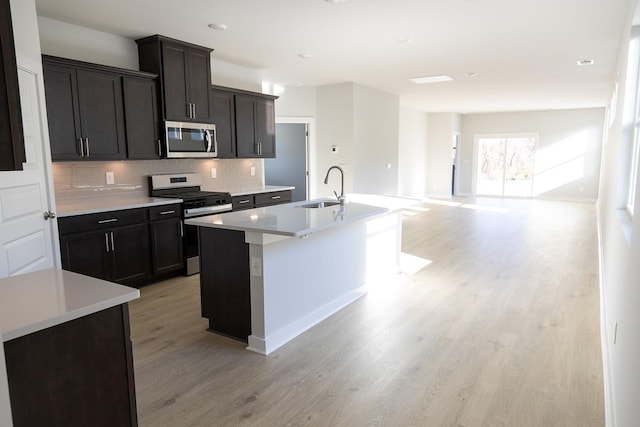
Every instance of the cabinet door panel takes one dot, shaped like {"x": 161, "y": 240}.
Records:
{"x": 223, "y": 115}
{"x": 62, "y": 112}
{"x": 175, "y": 82}
{"x": 131, "y": 253}
{"x": 86, "y": 253}
{"x": 101, "y": 114}
{"x": 199, "y": 79}
{"x": 265, "y": 127}
{"x": 245, "y": 126}
{"x": 141, "y": 118}
{"x": 166, "y": 246}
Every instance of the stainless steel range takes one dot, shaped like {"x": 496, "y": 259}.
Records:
{"x": 195, "y": 203}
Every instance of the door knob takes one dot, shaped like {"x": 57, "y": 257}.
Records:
{"x": 49, "y": 215}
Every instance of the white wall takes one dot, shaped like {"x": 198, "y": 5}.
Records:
{"x": 83, "y": 44}
{"x": 376, "y": 122}
{"x": 619, "y": 269}
{"x": 568, "y": 154}
{"x": 297, "y": 101}
{"x": 439, "y": 154}
{"x": 335, "y": 127}
{"x": 412, "y": 153}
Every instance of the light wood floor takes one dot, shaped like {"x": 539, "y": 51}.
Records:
{"x": 501, "y": 329}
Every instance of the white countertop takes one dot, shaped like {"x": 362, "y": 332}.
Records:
{"x": 35, "y": 301}
{"x": 265, "y": 189}
{"x": 290, "y": 219}
{"x": 90, "y": 205}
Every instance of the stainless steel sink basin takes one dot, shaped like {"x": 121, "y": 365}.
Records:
{"x": 320, "y": 204}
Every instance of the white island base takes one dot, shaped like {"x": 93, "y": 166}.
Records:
{"x": 297, "y": 282}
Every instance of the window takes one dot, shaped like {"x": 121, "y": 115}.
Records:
{"x": 632, "y": 121}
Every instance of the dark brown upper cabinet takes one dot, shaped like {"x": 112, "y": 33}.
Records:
{"x": 141, "y": 118}
{"x": 255, "y": 125}
{"x": 11, "y": 135}
{"x": 185, "y": 76}
{"x": 223, "y": 113}
{"x": 86, "y": 108}
{"x": 245, "y": 122}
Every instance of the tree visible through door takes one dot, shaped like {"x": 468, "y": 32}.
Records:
{"x": 505, "y": 166}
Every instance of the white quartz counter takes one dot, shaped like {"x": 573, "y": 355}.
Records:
{"x": 35, "y": 301}
{"x": 265, "y": 189}
{"x": 290, "y": 219}
{"x": 90, "y": 205}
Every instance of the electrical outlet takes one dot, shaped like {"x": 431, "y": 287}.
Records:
{"x": 110, "y": 178}
{"x": 213, "y": 173}
{"x": 256, "y": 266}
{"x": 253, "y": 171}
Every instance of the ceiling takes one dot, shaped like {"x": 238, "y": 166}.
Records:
{"x": 504, "y": 55}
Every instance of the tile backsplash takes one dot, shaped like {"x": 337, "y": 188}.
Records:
{"x": 88, "y": 179}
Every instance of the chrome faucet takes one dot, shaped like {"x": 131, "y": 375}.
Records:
{"x": 340, "y": 198}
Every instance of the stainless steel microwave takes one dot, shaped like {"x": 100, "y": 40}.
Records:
{"x": 187, "y": 140}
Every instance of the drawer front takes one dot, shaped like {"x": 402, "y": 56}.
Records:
{"x": 273, "y": 198}
{"x": 158, "y": 213}
{"x": 99, "y": 221}
{"x": 242, "y": 202}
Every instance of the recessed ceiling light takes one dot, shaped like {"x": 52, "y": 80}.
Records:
{"x": 471, "y": 74}
{"x": 335, "y": 1}
{"x": 431, "y": 79}
{"x": 305, "y": 56}
{"x": 217, "y": 26}
{"x": 586, "y": 62}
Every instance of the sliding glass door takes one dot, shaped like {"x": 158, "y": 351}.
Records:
{"x": 505, "y": 165}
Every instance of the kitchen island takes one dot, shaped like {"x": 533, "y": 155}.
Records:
{"x": 66, "y": 357}
{"x": 269, "y": 274}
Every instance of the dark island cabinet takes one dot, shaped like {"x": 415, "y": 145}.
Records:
{"x": 141, "y": 118}
{"x": 130, "y": 247}
{"x": 97, "y": 112}
{"x": 78, "y": 373}
{"x": 12, "y": 153}
{"x": 185, "y": 76}
{"x": 258, "y": 200}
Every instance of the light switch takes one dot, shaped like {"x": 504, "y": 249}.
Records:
{"x": 110, "y": 178}
{"x": 253, "y": 171}
{"x": 213, "y": 173}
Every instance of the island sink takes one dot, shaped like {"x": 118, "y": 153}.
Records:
{"x": 319, "y": 204}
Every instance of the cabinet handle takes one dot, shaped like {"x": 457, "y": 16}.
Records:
{"x": 81, "y": 141}
{"x": 159, "y": 148}
{"x": 86, "y": 141}
{"x": 242, "y": 202}
{"x": 275, "y": 197}
{"x": 106, "y": 241}
{"x": 189, "y": 109}
{"x": 105, "y": 221}
{"x": 181, "y": 230}
{"x": 194, "y": 111}
{"x": 167, "y": 212}
{"x": 112, "y": 247}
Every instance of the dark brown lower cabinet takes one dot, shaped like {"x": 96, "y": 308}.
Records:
{"x": 225, "y": 282}
{"x": 78, "y": 373}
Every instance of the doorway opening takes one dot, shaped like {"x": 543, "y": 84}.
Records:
{"x": 505, "y": 165}
{"x": 290, "y": 167}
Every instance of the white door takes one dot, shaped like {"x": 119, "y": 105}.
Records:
{"x": 28, "y": 241}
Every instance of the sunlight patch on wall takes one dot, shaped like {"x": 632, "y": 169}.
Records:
{"x": 560, "y": 163}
